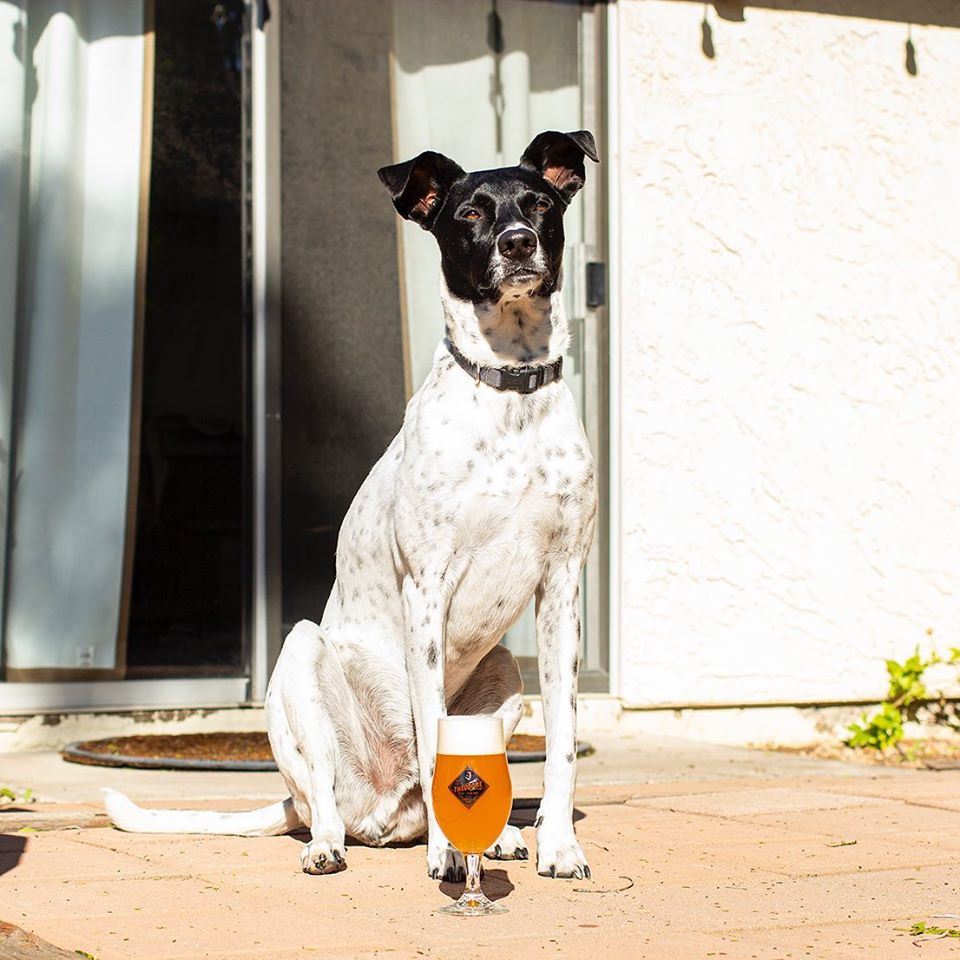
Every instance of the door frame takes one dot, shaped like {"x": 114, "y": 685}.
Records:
{"x": 265, "y": 628}
{"x": 598, "y": 358}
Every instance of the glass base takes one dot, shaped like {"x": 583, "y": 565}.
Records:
{"x": 471, "y": 905}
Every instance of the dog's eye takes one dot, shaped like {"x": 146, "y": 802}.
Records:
{"x": 470, "y": 214}
{"x": 542, "y": 206}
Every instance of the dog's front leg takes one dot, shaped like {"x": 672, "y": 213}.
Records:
{"x": 425, "y": 612}
{"x": 558, "y": 642}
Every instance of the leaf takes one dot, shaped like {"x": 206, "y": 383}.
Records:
{"x": 920, "y": 927}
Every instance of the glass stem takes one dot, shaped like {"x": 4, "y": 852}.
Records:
{"x": 473, "y": 874}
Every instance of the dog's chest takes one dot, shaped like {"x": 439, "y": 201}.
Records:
{"x": 491, "y": 486}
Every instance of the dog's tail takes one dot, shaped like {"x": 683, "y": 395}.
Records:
{"x": 266, "y": 822}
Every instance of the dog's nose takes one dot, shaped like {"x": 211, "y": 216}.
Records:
{"x": 517, "y": 244}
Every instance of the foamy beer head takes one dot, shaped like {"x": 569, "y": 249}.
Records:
{"x": 470, "y": 736}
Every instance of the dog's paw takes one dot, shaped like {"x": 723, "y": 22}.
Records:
{"x": 445, "y": 863}
{"x": 563, "y": 859}
{"x": 323, "y": 856}
{"x": 509, "y": 846}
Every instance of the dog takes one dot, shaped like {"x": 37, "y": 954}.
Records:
{"x": 487, "y": 497}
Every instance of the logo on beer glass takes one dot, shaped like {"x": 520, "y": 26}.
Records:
{"x": 468, "y": 788}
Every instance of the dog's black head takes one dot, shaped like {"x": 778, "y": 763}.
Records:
{"x": 496, "y": 229}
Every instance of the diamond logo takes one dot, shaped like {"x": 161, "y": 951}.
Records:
{"x": 468, "y": 788}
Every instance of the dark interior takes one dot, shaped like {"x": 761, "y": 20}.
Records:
{"x": 186, "y": 614}
{"x": 342, "y": 349}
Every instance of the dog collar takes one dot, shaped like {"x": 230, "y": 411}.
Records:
{"x": 525, "y": 379}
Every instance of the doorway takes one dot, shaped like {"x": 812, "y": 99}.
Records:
{"x": 374, "y": 82}
{"x": 186, "y": 611}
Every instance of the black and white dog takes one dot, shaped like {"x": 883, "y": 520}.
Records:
{"x": 485, "y": 498}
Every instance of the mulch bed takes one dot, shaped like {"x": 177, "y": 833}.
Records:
{"x": 246, "y": 751}
{"x": 939, "y": 754}
{"x": 189, "y": 746}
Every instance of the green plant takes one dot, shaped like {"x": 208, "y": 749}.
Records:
{"x": 907, "y": 698}
{"x": 919, "y": 928}
{"x": 10, "y": 796}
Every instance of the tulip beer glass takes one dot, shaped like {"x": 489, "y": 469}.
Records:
{"x": 472, "y": 796}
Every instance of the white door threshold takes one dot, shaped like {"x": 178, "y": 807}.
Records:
{"x": 16, "y": 698}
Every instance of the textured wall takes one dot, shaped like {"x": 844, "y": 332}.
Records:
{"x": 791, "y": 345}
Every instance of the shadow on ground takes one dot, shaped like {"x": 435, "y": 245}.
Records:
{"x": 496, "y": 885}
{"x": 524, "y": 813}
{"x": 11, "y": 850}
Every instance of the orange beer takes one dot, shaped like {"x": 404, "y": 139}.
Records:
{"x": 472, "y": 793}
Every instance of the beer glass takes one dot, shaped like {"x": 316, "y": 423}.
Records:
{"x": 472, "y": 796}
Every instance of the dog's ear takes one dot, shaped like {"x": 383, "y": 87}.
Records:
{"x": 558, "y": 158}
{"x": 419, "y": 186}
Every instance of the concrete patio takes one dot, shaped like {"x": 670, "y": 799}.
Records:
{"x": 696, "y": 851}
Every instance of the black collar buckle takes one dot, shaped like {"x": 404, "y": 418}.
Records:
{"x": 525, "y": 379}
{"x": 529, "y": 378}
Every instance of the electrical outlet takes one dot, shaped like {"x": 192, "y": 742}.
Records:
{"x": 85, "y": 656}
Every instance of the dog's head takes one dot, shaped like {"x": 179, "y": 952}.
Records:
{"x": 496, "y": 229}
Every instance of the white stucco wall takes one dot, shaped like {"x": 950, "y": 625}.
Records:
{"x": 790, "y": 450}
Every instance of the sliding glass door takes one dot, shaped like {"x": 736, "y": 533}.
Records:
{"x": 123, "y": 334}
{"x": 380, "y": 80}
{"x": 126, "y": 315}
{"x": 480, "y": 92}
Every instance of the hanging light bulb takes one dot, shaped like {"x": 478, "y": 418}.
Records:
{"x": 497, "y": 46}
{"x": 494, "y": 29}
{"x": 706, "y": 35}
{"x": 910, "y": 60}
